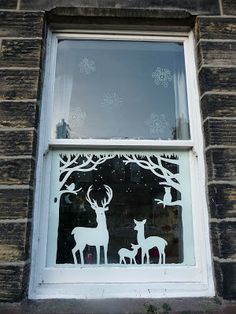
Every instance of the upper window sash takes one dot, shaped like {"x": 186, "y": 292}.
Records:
{"x": 152, "y": 119}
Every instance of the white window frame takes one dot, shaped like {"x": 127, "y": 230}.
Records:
{"x": 165, "y": 281}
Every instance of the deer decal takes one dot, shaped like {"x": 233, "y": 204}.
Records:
{"x": 147, "y": 244}
{"x": 123, "y": 253}
{"x": 98, "y": 236}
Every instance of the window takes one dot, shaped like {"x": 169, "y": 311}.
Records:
{"x": 120, "y": 206}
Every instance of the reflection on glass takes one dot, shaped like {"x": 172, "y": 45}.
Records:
{"x": 120, "y": 90}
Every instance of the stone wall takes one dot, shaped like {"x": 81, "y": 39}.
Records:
{"x": 217, "y": 73}
{"x": 22, "y": 37}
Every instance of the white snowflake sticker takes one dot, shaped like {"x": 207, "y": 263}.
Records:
{"x": 162, "y": 76}
{"x": 157, "y": 124}
{"x": 87, "y": 66}
{"x": 111, "y": 100}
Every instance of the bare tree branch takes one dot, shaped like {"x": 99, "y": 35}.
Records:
{"x": 157, "y": 169}
{"x": 171, "y": 161}
{"x": 88, "y": 165}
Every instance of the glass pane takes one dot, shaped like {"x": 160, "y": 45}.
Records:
{"x": 120, "y": 90}
{"x": 134, "y": 208}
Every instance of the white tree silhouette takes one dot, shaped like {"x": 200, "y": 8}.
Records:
{"x": 169, "y": 179}
{"x": 70, "y": 163}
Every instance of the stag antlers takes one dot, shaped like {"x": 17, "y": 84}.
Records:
{"x": 104, "y": 202}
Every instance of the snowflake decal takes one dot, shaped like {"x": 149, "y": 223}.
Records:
{"x": 87, "y": 66}
{"x": 78, "y": 116}
{"x": 157, "y": 124}
{"x": 162, "y": 76}
{"x": 111, "y": 101}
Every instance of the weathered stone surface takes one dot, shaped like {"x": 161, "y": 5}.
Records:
{"x": 220, "y": 132}
{"x": 221, "y": 164}
{"x": 18, "y": 114}
{"x": 216, "y": 28}
{"x": 20, "y": 53}
{"x": 16, "y": 171}
{"x": 222, "y": 200}
{"x": 14, "y": 242}
{"x": 13, "y": 143}
{"x": 229, "y": 280}
{"x": 215, "y": 239}
{"x": 226, "y": 280}
{"x": 144, "y": 20}
{"x": 217, "y": 53}
{"x": 18, "y": 84}
{"x": 15, "y": 203}
{"x": 217, "y": 79}
{"x": 12, "y": 283}
{"x": 218, "y": 278}
{"x": 200, "y": 6}
{"x": 21, "y": 24}
{"x": 229, "y": 7}
{"x": 139, "y": 17}
{"x": 121, "y": 306}
{"x": 218, "y": 106}
{"x": 224, "y": 239}
{"x": 50, "y": 4}
{"x": 8, "y": 4}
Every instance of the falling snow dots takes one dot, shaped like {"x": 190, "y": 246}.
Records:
{"x": 162, "y": 76}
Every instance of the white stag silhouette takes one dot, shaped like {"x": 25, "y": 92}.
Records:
{"x": 98, "y": 236}
{"x": 147, "y": 244}
{"x": 123, "y": 253}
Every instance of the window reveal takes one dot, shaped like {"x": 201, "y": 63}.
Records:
{"x": 118, "y": 185}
